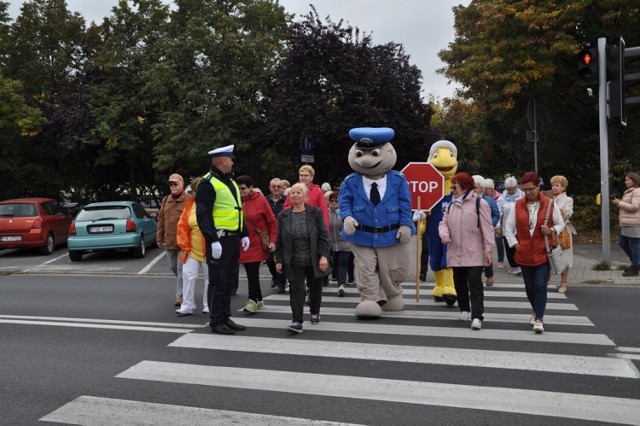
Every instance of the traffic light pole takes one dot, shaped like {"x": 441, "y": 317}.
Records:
{"x": 604, "y": 148}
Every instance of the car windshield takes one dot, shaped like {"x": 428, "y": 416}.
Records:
{"x": 18, "y": 210}
{"x": 104, "y": 213}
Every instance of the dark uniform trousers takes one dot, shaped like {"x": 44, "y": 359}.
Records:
{"x": 223, "y": 274}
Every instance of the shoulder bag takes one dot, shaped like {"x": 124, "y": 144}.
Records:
{"x": 556, "y": 256}
{"x": 264, "y": 235}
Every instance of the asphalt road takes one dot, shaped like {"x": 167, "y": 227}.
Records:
{"x": 88, "y": 337}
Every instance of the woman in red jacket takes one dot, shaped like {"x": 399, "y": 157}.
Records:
{"x": 258, "y": 216}
{"x": 525, "y": 229}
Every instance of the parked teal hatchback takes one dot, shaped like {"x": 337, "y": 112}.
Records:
{"x": 109, "y": 226}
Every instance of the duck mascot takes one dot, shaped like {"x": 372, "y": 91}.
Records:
{"x": 444, "y": 156}
{"x": 375, "y": 207}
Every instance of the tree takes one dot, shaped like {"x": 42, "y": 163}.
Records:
{"x": 205, "y": 90}
{"x": 331, "y": 80}
{"x": 508, "y": 53}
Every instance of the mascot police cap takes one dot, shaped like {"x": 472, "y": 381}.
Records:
{"x": 443, "y": 144}
{"x": 371, "y": 137}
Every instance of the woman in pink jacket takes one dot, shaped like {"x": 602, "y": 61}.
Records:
{"x": 467, "y": 231}
{"x": 257, "y": 216}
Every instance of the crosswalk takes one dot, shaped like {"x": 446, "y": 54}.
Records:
{"x": 410, "y": 362}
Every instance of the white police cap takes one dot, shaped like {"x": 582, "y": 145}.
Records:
{"x": 225, "y": 151}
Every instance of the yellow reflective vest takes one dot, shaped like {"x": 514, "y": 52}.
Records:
{"x": 227, "y": 209}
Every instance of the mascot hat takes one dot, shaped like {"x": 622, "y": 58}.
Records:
{"x": 443, "y": 144}
{"x": 371, "y": 137}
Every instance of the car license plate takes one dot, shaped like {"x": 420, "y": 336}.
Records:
{"x": 101, "y": 229}
{"x": 11, "y": 238}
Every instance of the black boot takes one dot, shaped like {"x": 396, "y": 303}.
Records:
{"x": 631, "y": 272}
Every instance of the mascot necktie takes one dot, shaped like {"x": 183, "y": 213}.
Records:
{"x": 375, "y": 194}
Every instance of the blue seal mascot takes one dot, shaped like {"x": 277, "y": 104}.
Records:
{"x": 375, "y": 207}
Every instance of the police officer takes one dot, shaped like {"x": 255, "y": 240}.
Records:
{"x": 220, "y": 218}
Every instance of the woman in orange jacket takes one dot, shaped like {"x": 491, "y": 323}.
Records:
{"x": 192, "y": 255}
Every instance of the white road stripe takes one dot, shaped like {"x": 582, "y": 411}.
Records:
{"x": 628, "y": 349}
{"x": 88, "y": 410}
{"x": 98, "y": 326}
{"x": 627, "y": 356}
{"x": 150, "y": 264}
{"x": 444, "y": 314}
{"x": 568, "y": 364}
{"x": 103, "y": 321}
{"x": 412, "y": 302}
{"x": 45, "y": 263}
{"x": 410, "y": 292}
{"x": 457, "y": 329}
{"x": 522, "y": 401}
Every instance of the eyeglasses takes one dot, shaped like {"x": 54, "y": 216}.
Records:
{"x": 173, "y": 183}
{"x": 529, "y": 189}
{"x": 455, "y": 185}
{"x": 333, "y": 201}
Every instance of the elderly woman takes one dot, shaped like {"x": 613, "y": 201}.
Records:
{"x": 258, "y": 217}
{"x": 467, "y": 230}
{"x": 302, "y": 251}
{"x": 559, "y": 186}
{"x": 506, "y": 201}
{"x": 192, "y": 256}
{"x": 531, "y": 220}
{"x": 630, "y": 222}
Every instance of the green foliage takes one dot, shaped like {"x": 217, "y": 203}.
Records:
{"x": 333, "y": 79}
{"x": 508, "y": 54}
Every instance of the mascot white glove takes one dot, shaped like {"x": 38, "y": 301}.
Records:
{"x": 404, "y": 234}
{"x": 216, "y": 250}
{"x": 245, "y": 243}
{"x": 418, "y": 215}
{"x": 349, "y": 225}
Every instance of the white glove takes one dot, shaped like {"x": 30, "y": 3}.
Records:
{"x": 349, "y": 225}
{"x": 418, "y": 215}
{"x": 216, "y": 250}
{"x": 404, "y": 234}
{"x": 245, "y": 243}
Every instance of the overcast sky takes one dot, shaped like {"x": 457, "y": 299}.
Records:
{"x": 423, "y": 27}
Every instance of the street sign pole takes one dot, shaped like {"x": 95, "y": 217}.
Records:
{"x": 604, "y": 148}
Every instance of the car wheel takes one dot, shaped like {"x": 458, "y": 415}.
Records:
{"x": 75, "y": 256}
{"x": 49, "y": 246}
{"x": 140, "y": 251}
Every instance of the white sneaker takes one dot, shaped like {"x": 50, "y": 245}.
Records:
{"x": 500, "y": 265}
{"x": 537, "y": 326}
{"x": 532, "y": 320}
{"x": 476, "y": 324}
{"x": 464, "y": 316}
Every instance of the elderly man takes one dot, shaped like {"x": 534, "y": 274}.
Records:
{"x": 276, "y": 200}
{"x": 166, "y": 236}
{"x": 220, "y": 218}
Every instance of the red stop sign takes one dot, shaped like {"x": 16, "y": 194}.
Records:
{"x": 425, "y": 183}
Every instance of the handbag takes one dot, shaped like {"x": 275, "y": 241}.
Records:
{"x": 557, "y": 259}
{"x": 264, "y": 236}
{"x": 564, "y": 238}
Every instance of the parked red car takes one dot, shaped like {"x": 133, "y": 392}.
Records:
{"x": 33, "y": 223}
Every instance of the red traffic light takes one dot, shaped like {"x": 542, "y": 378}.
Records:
{"x": 588, "y": 67}
{"x": 586, "y": 58}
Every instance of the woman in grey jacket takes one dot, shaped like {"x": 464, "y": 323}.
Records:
{"x": 302, "y": 252}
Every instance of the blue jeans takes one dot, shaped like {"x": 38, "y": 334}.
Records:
{"x": 535, "y": 285}
{"x": 631, "y": 246}
{"x": 500, "y": 242}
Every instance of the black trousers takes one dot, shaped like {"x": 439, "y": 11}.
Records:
{"x": 223, "y": 274}
{"x": 253, "y": 277}
{"x": 297, "y": 291}
{"x": 469, "y": 280}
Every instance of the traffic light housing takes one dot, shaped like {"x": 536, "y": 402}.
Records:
{"x": 623, "y": 77}
{"x": 588, "y": 66}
